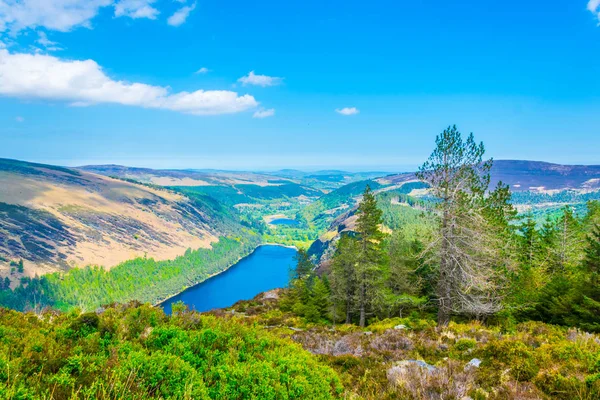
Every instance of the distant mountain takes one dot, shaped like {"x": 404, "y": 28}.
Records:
{"x": 530, "y": 176}
{"x": 538, "y": 175}
{"x": 55, "y": 218}
{"x": 184, "y": 177}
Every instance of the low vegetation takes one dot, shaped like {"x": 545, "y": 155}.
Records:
{"x": 136, "y": 352}
{"x": 413, "y": 358}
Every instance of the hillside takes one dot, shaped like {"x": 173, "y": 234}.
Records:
{"x": 538, "y": 175}
{"x": 523, "y": 175}
{"x": 188, "y": 177}
{"x": 55, "y": 218}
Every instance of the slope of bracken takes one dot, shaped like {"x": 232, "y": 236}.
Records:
{"x": 56, "y": 218}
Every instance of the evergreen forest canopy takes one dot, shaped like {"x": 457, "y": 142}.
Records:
{"x": 473, "y": 257}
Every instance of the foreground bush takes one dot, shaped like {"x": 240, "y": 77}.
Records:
{"x": 136, "y": 352}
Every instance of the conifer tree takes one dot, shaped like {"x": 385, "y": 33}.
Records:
{"x": 592, "y": 251}
{"x": 320, "y": 298}
{"x": 467, "y": 247}
{"x": 343, "y": 280}
{"x": 371, "y": 257}
{"x": 304, "y": 265}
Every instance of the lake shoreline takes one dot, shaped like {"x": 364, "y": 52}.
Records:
{"x": 220, "y": 272}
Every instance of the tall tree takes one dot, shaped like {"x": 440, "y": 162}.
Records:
{"x": 304, "y": 265}
{"x": 466, "y": 247}
{"x": 343, "y": 278}
{"x": 371, "y": 254}
{"x": 592, "y": 252}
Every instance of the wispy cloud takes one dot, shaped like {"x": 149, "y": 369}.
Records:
{"x": 58, "y": 15}
{"x": 203, "y": 70}
{"x": 347, "y": 111}
{"x": 594, "y": 7}
{"x": 181, "y": 15}
{"x": 65, "y": 15}
{"x": 136, "y": 9}
{"x": 84, "y": 83}
{"x": 262, "y": 113}
{"x": 47, "y": 43}
{"x": 260, "y": 80}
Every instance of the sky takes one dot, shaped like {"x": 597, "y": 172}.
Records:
{"x": 357, "y": 85}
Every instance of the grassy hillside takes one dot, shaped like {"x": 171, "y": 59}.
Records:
{"x": 56, "y": 218}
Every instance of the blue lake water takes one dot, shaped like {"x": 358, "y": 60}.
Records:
{"x": 268, "y": 267}
{"x": 285, "y": 221}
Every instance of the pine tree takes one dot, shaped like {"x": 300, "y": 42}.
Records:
{"x": 371, "y": 257}
{"x": 569, "y": 243}
{"x": 592, "y": 251}
{"x": 343, "y": 279}
{"x": 320, "y": 298}
{"x": 467, "y": 244}
{"x": 304, "y": 265}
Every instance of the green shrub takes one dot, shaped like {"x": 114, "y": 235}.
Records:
{"x": 464, "y": 344}
{"x": 136, "y": 352}
{"x": 514, "y": 355}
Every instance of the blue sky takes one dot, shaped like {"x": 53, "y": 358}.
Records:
{"x": 343, "y": 84}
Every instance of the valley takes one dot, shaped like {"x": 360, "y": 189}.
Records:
{"x": 101, "y": 221}
{"x": 258, "y": 257}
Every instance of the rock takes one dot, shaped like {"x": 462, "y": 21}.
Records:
{"x": 347, "y": 345}
{"x": 474, "y": 363}
{"x": 272, "y": 294}
{"x": 420, "y": 363}
{"x": 368, "y": 333}
{"x": 401, "y": 326}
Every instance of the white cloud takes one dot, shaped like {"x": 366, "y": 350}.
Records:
{"x": 594, "y": 7}
{"x": 262, "y": 113}
{"x": 43, "y": 40}
{"x": 180, "y": 16}
{"x": 59, "y": 15}
{"x": 19, "y": 119}
{"x": 203, "y": 70}
{"x": 83, "y": 83}
{"x": 259, "y": 80}
{"x": 47, "y": 43}
{"x": 136, "y": 9}
{"x": 64, "y": 15}
{"x": 347, "y": 110}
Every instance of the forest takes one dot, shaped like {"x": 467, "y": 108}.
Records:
{"x": 143, "y": 279}
{"x": 471, "y": 256}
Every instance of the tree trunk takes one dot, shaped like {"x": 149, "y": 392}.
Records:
{"x": 348, "y": 312}
{"x": 444, "y": 286}
{"x": 362, "y": 305}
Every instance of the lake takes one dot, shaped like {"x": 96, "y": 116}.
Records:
{"x": 285, "y": 221}
{"x": 268, "y": 267}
